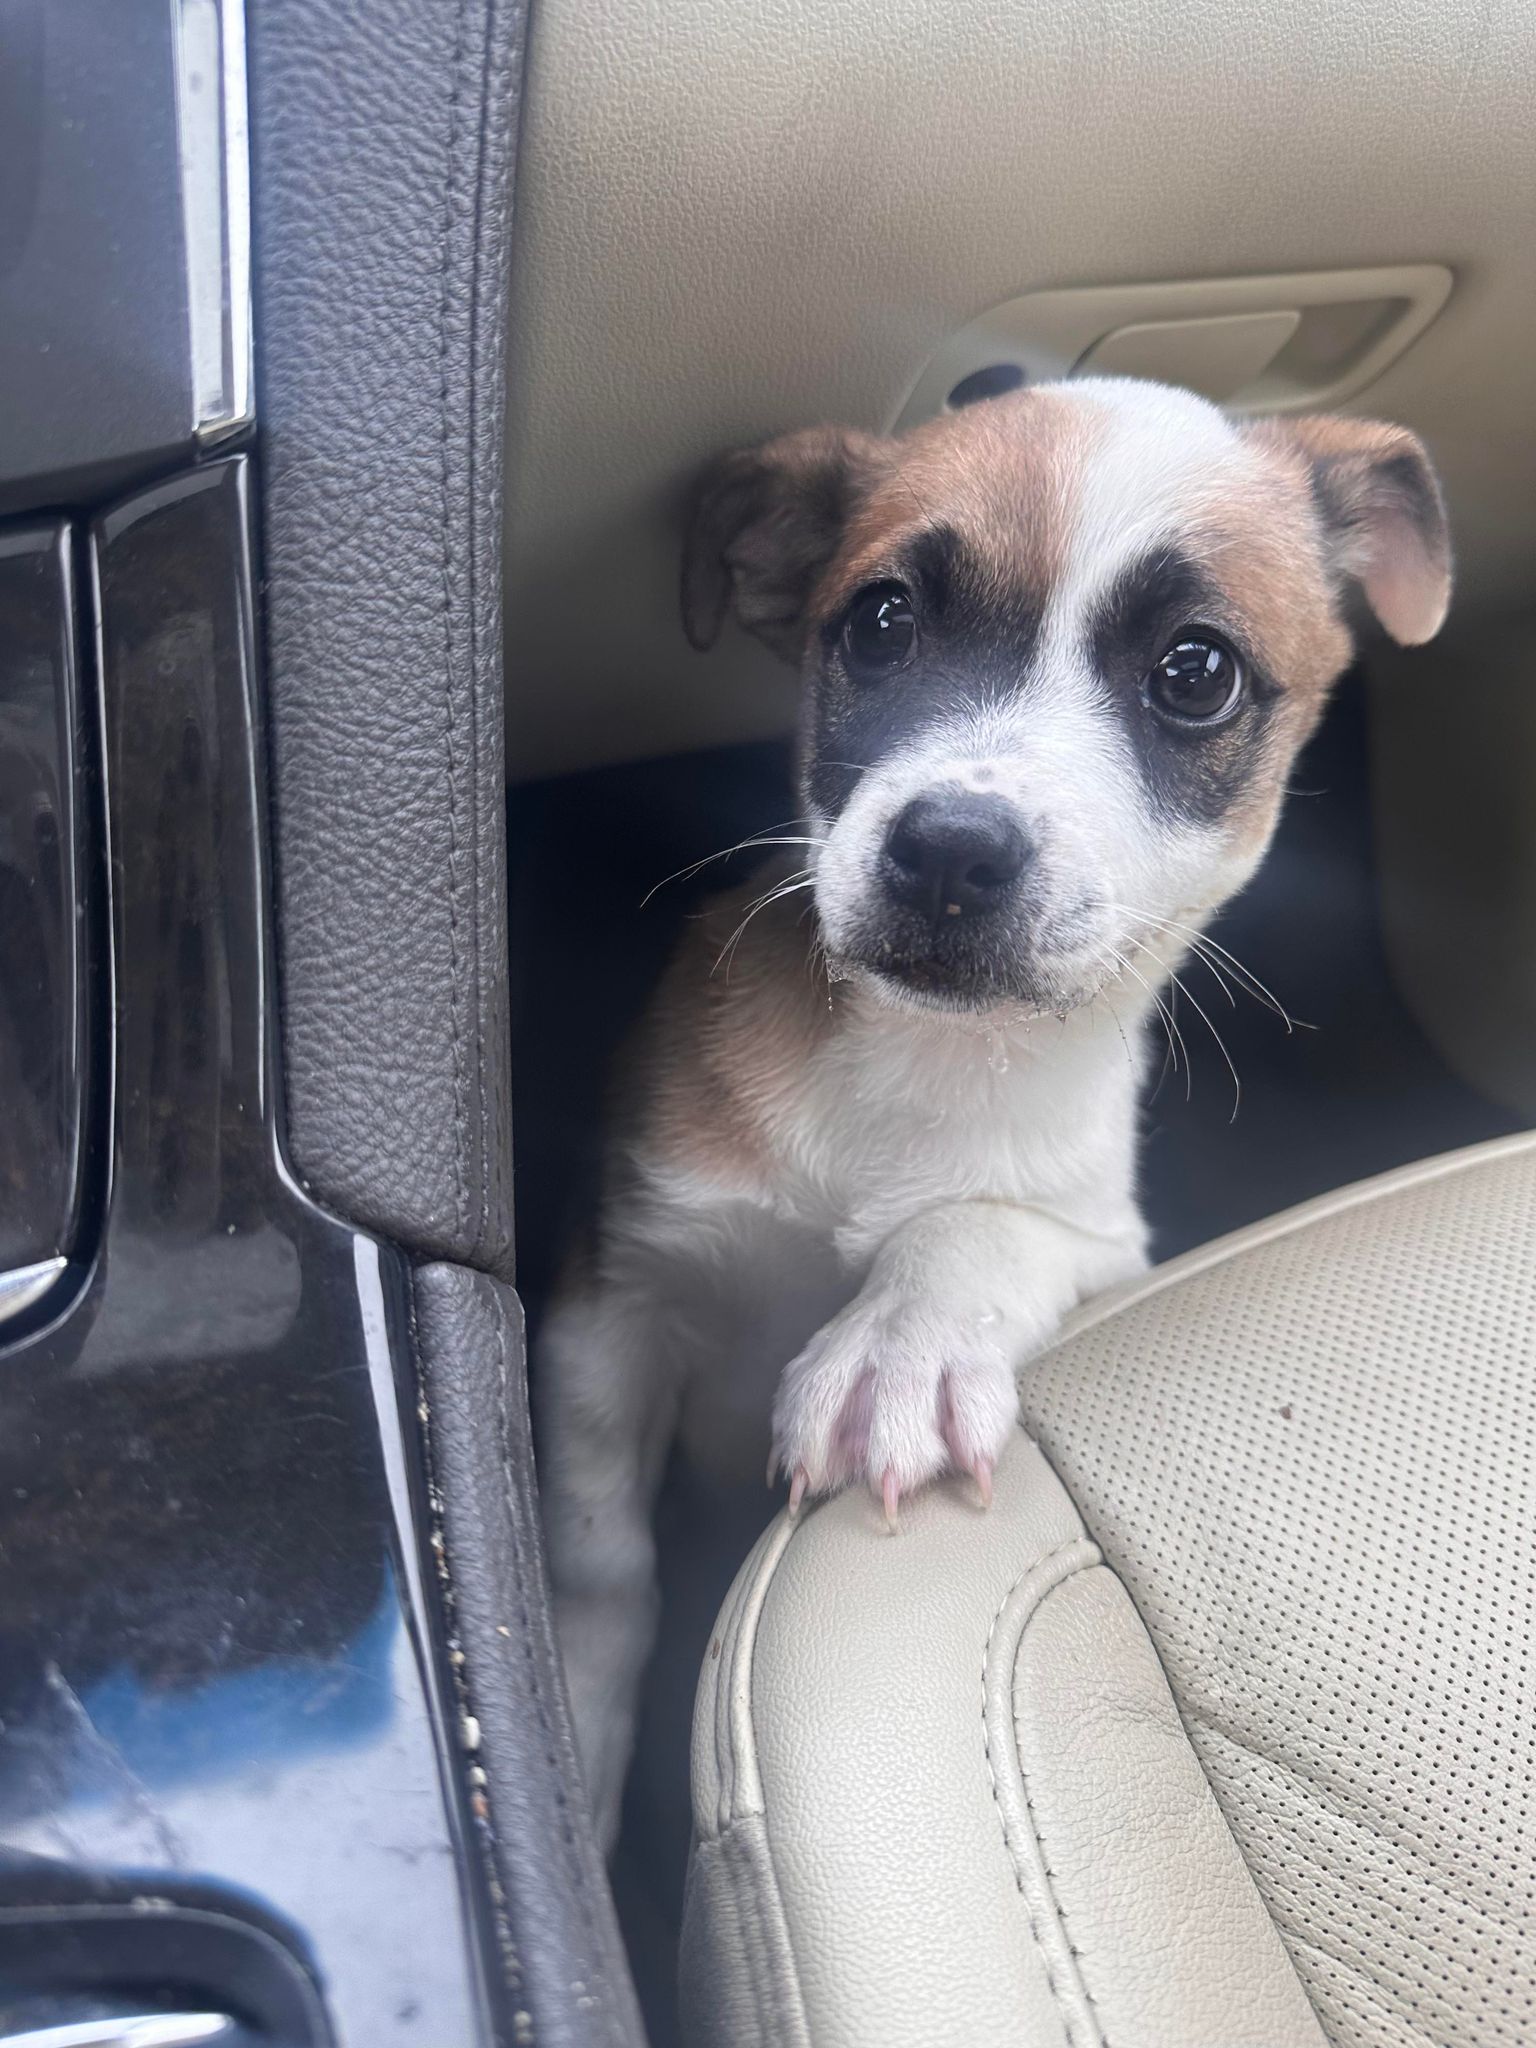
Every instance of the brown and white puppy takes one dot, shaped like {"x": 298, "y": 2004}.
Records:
{"x": 1057, "y": 654}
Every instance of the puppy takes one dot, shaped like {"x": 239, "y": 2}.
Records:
{"x": 1057, "y": 653}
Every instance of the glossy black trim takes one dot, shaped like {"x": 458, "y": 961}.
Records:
{"x": 66, "y": 1961}
{"x": 97, "y": 387}
{"x": 43, "y": 869}
{"x": 221, "y": 1655}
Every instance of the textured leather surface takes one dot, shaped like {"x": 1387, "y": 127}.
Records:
{"x": 941, "y": 1795}
{"x": 1169, "y": 1939}
{"x": 382, "y": 150}
{"x": 735, "y": 220}
{"x": 559, "y": 1945}
{"x": 1310, "y": 1453}
{"x": 1307, "y": 1452}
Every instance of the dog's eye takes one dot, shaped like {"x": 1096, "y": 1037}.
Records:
{"x": 1198, "y": 681}
{"x": 879, "y": 630}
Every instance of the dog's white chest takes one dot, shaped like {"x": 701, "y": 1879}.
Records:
{"x": 899, "y": 1116}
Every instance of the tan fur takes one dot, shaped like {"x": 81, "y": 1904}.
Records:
{"x": 1381, "y": 497}
{"x": 1005, "y": 475}
{"x": 1264, "y": 551}
{"x": 733, "y": 1026}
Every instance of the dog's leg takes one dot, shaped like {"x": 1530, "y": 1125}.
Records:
{"x": 916, "y": 1374}
{"x": 609, "y": 1365}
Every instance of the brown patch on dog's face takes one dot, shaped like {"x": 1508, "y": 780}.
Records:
{"x": 1002, "y": 478}
{"x": 972, "y": 513}
{"x": 1027, "y": 615}
{"x": 1348, "y": 501}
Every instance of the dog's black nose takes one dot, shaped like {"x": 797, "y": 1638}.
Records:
{"x": 951, "y": 853}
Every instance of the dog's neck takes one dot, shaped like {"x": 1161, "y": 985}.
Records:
{"x": 782, "y": 1009}
{"x": 841, "y": 1107}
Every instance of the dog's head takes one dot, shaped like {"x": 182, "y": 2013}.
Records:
{"x": 1058, "y": 653}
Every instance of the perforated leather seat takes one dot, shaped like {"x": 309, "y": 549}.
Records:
{"x": 1218, "y": 1730}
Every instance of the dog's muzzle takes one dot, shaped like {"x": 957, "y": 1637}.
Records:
{"x": 954, "y": 854}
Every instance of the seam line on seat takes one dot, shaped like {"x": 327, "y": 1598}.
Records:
{"x": 1034, "y": 1817}
{"x": 1021, "y": 1601}
{"x": 752, "y": 1930}
{"x": 740, "y": 1789}
{"x": 742, "y": 1794}
{"x": 472, "y": 403}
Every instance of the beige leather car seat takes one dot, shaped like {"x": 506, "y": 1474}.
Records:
{"x": 1218, "y": 1729}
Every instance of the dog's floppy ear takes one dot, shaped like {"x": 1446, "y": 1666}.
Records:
{"x": 765, "y": 524}
{"x": 1382, "y": 510}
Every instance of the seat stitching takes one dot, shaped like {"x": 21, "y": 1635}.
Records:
{"x": 472, "y": 669}
{"x": 751, "y": 1920}
{"x": 536, "y": 1686}
{"x": 738, "y": 1639}
{"x": 480, "y": 209}
{"x": 1029, "y": 1802}
{"x": 455, "y": 1031}
{"x": 1088, "y": 1562}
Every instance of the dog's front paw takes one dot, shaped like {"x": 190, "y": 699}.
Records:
{"x": 891, "y": 1393}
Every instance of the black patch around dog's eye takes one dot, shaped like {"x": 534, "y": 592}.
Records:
{"x": 936, "y": 566}
{"x": 976, "y": 639}
{"x": 1148, "y": 602}
{"x": 1195, "y": 761}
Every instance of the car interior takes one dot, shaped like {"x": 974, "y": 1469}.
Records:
{"x": 357, "y": 367}
{"x": 729, "y": 226}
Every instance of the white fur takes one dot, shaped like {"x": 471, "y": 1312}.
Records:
{"x": 1163, "y": 452}
{"x": 942, "y": 1188}
{"x": 946, "y": 1189}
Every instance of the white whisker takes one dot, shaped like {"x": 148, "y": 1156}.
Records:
{"x": 1203, "y": 944}
{"x": 1130, "y": 1057}
{"x": 1183, "y": 988}
{"x": 1237, "y": 1086}
{"x": 727, "y": 953}
{"x": 1170, "y": 1023}
{"x": 772, "y": 835}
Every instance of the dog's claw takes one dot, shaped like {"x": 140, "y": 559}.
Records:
{"x": 890, "y": 1498}
{"x": 981, "y": 1472}
{"x": 797, "y": 1488}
